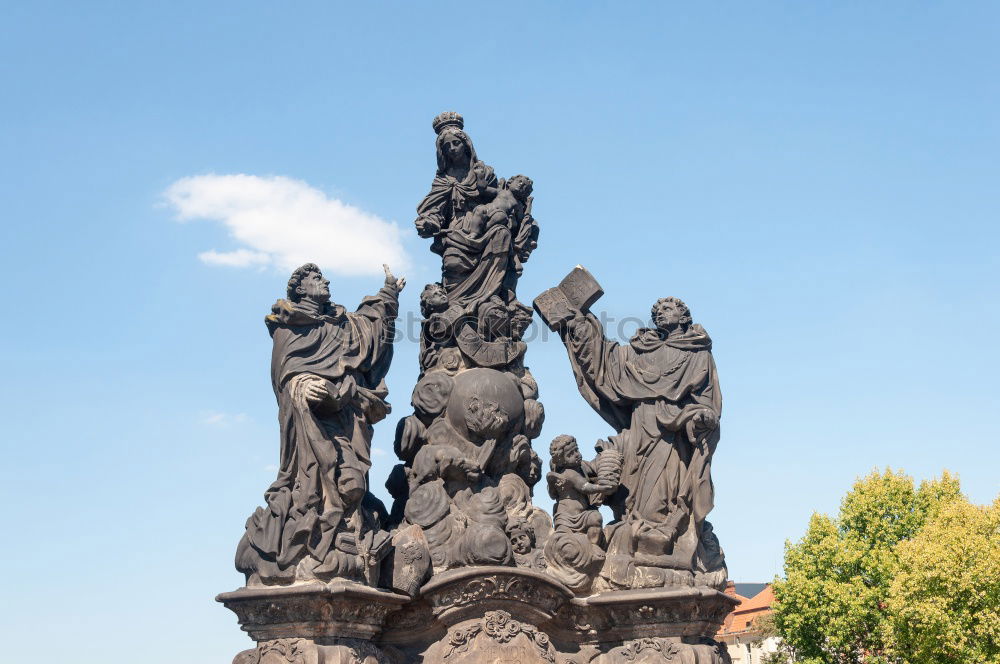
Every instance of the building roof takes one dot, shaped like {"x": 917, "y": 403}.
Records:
{"x": 759, "y": 602}
{"x": 749, "y": 589}
{"x": 741, "y": 618}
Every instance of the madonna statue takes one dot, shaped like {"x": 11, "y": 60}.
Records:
{"x": 482, "y": 227}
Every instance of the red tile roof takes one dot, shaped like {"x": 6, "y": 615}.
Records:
{"x": 762, "y": 600}
{"x": 742, "y": 616}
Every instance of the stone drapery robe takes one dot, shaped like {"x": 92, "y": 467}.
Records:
{"x": 325, "y": 449}
{"x": 450, "y": 198}
{"x": 648, "y": 390}
{"x": 476, "y": 267}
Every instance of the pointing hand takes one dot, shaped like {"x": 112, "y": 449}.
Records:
{"x": 393, "y": 282}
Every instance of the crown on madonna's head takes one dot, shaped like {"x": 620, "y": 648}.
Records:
{"x": 447, "y": 119}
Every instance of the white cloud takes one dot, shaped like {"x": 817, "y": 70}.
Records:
{"x": 238, "y": 258}
{"x": 376, "y": 451}
{"x": 284, "y": 223}
{"x": 223, "y": 420}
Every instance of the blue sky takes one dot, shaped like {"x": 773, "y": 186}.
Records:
{"x": 818, "y": 181}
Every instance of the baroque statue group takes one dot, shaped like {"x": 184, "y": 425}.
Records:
{"x": 463, "y": 566}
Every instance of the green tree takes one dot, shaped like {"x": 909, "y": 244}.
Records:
{"x": 944, "y": 603}
{"x": 765, "y": 629}
{"x": 832, "y": 606}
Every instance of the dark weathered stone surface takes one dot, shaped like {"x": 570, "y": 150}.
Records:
{"x": 575, "y": 551}
{"x": 661, "y": 394}
{"x": 465, "y": 568}
{"x": 479, "y": 614}
{"x": 467, "y": 468}
{"x": 327, "y": 370}
{"x": 313, "y": 609}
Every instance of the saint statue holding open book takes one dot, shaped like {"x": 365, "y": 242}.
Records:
{"x": 661, "y": 393}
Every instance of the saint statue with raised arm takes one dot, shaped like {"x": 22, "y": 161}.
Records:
{"x": 661, "y": 393}
{"x": 327, "y": 369}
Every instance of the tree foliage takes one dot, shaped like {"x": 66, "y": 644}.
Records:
{"x": 833, "y": 604}
{"x": 944, "y": 602}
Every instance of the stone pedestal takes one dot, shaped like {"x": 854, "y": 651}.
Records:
{"x": 490, "y": 614}
{"x": 479, "y": 615}
{"x": 655, "y": 625}
{"x": 312, "y": 623}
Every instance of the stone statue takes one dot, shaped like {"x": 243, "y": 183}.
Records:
{"x": 481, "y": 226}
{"x": 524, "y": 542}
{"x": 462, "y": 181}
{"x": 327, "y": 370}
{"x": 661, "y": 393}
{"x": 574, "y": 551}
{"x": 465, "y": 569}
{"x": 437, "y": 326}
{"x": 521, "y": 513}
{"x": 467, "y": 468}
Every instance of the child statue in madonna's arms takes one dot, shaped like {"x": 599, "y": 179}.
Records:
{"x": 509, "y": 206}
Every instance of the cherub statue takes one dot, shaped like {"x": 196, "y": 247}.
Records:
{"x": 436, "y": 329}
{"x": 577, "y": 490}
{"x": 520, "y": 319}
{"x": 574, "y": 551}
{"x": 522, "y": 540}
{"x": 433, "y": 300}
